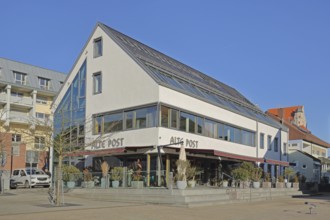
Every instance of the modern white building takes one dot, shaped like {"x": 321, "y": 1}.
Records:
{"x": 122, "y": 99}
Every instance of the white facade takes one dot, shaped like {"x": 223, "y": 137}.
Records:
{"x": 126, "y": 84}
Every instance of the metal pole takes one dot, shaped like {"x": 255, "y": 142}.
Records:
{"x": 161, "y": 164}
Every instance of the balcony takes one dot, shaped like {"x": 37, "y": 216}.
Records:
{"x": 19, "y": 117}
{"x": 3, "y": 98}
{"x": 21, "y": 101}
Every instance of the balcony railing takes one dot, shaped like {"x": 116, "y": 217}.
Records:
{"x": 21, "y": 101}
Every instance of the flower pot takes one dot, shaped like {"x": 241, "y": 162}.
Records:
{"x": 279, "y": 185}
{"x": 191, "y": 183}
{"x": 105, "y": 182}
{"x": 137, "y": 184}
{"x": 296, "y": 185}
{"x": 256, "y": 185}
{"x": 288, "y": 185}
{"x": 267, "y": 185}
{"x": 115, "y": 183}
{"x": 88, "y": 184}
{"x": 181, "y": 184}
{"x": 225, "y": 184}
{"x": 71, "y": 184}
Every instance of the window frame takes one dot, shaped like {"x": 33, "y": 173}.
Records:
{"x": 269, "y": 142}
{"x": 97, "y": 51}
{"x": 97, "y": 77}
{"x": 20, "y": 81}
{"x": 262, "y": 143}
{"x": 47, "y": 81}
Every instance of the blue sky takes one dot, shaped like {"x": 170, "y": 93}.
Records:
{"x": 276, "y": 53}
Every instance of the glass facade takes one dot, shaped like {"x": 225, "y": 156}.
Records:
{"x": 125, "y": 120}
{"x": 200, "y": 125}
{"x": 69, "y": 116}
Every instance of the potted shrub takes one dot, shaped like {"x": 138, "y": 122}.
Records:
{"x": 116, "y": 176}
{"x": 105, "y": 176}
{"x": 296, "y": 182}
{"x": 180, "y": 176}
{"x": 280, "y": 182}
{"x": 256, "y": 174}
{"x": 137, "y": 180}
{"x": 190, "y": 174}
{"x": 288, "y": 172}
{"x": 88, "y": 179}
{"x": 224, "y": 183}
{"x": 242, "y": 175}
{"x": 267, "y": 183}
{"x": 70, "y": 175}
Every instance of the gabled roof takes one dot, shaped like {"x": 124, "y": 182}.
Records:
{"x": 298, "y": 133}
{"x": 173, "y": 74}
{"x": 307, "y": 155}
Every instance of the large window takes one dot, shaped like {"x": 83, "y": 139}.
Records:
{"x": 262, "y": 140}
{"x": 229, "y": 133}
{"x": 44, "y": 83}
{"x": 69, "y": 117}
{"x": 206, "y": 127}
{"x": 165, "y": 116}
{"x": 210, "y": 129}
{"x": 20, "y": 78}
{"x": 98, "y": 47}
{"x": 187, "y": 122}
{"x": 97, "y": 83}
{"x": 113, "y": 122}
{"x": 125, "y": 120}
{"x": 97, "y": 124}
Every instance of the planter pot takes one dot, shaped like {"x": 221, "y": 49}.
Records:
{"x": 105, "y": 182}
{"x": 256, "y": 185}
{"x": 288, "y": 185}
{"x": 71, "y": 184}
{"x": 181, "y": 184}
{"x": 267, "y": 185}
{"x": 295, "y": 185}
{"x": 225, "y": 184}
{"x": 115, "y": 183}
{"x": 244, "y": 184}
{"x": 279, "y": 185}
{"x": 137, "y": 184}
{"x": 191, "y": 183}
{"x": 88, "y": 184}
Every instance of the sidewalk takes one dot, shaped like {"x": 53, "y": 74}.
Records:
{"x": 28, "y": 204}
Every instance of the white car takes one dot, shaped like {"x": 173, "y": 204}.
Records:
{"x": 38, "y": 177}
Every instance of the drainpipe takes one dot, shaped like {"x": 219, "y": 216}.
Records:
{"x": 256, "y": 139}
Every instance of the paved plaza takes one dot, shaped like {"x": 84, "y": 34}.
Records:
{"x": 28, "y": 204}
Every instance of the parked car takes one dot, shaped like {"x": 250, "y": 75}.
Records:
{"x": 30, "y": 177}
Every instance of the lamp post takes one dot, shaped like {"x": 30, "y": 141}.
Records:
{"x": 160, "y": 157}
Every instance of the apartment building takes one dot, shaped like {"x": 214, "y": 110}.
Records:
{"x": 26, "y": 94}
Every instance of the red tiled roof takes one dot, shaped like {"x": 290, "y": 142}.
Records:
{"x": 288, "y": 112}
